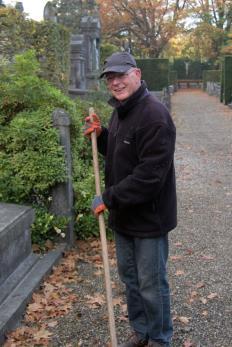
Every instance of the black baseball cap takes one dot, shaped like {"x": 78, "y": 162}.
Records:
{"x": 118, "y": 62}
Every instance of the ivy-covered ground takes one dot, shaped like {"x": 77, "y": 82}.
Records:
{"x": 70, "y": 309}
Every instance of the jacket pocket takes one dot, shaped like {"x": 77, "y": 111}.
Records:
{"x": 138, "y": 218}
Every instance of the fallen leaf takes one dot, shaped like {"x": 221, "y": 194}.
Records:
{"x": 124, "y": 308}
{"x": 123, "y": 318}
{"x": 36, "y": 248}
{"x": 98, "y": 273}
{"x": 95, "y": 301}
{"x": 179, "y": 273}
{"x": 35, "y": 307}
{"x": 178, "y": 244}
{"x": 176, "y": 257}
{"x": 113, "y": 285}
{"x": 188, "y": 343}
{"x": 184, "y": 320}
{"x": 52, "y": 324}
{"x": 49, "y": 244}
{"x": 117, "y": 301}
{"x": 212, "y": 296}
{"x": 203, "y": 300}
{"x": 41, "y": 334}
{"x": 189, "y": 251}
{"x": 200, "y": 285}
{"x": 193, "y": 294}
{"x": 113, "y": 262}
{"x": 207, "y": 257}
{"x": 218, "y": 181}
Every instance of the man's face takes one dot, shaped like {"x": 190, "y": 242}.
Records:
{"x": 123, "y": 85}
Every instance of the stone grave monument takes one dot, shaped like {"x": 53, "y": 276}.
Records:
{"x": 84, "y": 49}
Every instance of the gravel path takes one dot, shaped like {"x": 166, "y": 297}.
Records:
{"x": 200, "y": 247}
{"x": 204, "y": 169}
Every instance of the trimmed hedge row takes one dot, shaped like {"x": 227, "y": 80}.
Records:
{"x": 226, "y": 80}
{"x": 194, "y": 69}
{"x": 155, "y": 72}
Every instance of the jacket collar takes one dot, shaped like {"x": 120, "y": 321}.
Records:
{"x": 124, "y": 106}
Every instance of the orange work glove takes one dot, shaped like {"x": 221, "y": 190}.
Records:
{"x": 98, "y": 205}
{"x": 90, "y": 127}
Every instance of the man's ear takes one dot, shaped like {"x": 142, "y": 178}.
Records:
{"x": 138, "y": 73}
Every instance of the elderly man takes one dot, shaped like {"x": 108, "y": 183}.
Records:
{"x": 140, "y": 194}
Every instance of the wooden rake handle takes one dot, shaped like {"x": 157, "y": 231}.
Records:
{"x": 103, "y": 239}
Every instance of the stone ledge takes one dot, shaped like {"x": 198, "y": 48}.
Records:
{"x": 16, "y": 277}
{"x": 15, "y": 237}
{"x": 13, "y": 306}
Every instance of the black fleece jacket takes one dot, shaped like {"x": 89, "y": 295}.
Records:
{"x": 139, "y": 144}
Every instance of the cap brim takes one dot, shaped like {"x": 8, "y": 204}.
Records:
{"x": 118, "y": 68}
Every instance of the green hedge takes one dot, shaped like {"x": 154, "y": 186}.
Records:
{"x": 211, "y": 76}
{"x": 155, "y": 72}
{"x": 52, "y": 45}
{"x": 16, "y": 33}
{"x": 195, "y": 68}
{"x": 31, "y": 158}
{"x": 50, "y": 41}
{"x": 228, "y": 79}
{"x": 222, "y": 79}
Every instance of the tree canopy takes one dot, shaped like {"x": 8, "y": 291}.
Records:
{"x": 144, "y": 26}
{"x": 155, "y": 28}
{"x": 195, "y": 28}
{"x": 69, "y": 13}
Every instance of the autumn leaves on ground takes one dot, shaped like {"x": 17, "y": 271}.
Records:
{"x": 56, "y": 297}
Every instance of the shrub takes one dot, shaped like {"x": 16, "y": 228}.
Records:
{"x": 227, "y": 79}
{"x": 155, "y": 72}
{"x": 49, "y": 40}
{"x": 31, "y": 158}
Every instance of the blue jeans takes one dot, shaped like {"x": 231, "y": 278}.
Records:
{"x": 142, "y": 267}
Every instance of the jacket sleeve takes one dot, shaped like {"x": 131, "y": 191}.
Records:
{"x": 102, "y": 141}
{"x": 155, "y": 145}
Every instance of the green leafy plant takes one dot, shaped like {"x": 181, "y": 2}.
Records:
{"x": 31, "y": 159}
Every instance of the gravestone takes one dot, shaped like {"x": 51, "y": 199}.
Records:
{"x": 78, "y": 63}
{"x": 15, "y": 239}
{"x": 62, "y": 193}
{"x": 84, "y": 48}
{"x": 90, "y": 29}
{"x": 21, "y": 271}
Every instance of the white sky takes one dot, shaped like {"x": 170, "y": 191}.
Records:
{"x": 34, "y": 8}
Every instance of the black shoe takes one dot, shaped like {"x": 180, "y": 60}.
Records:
{"x": 134, "y": 341}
